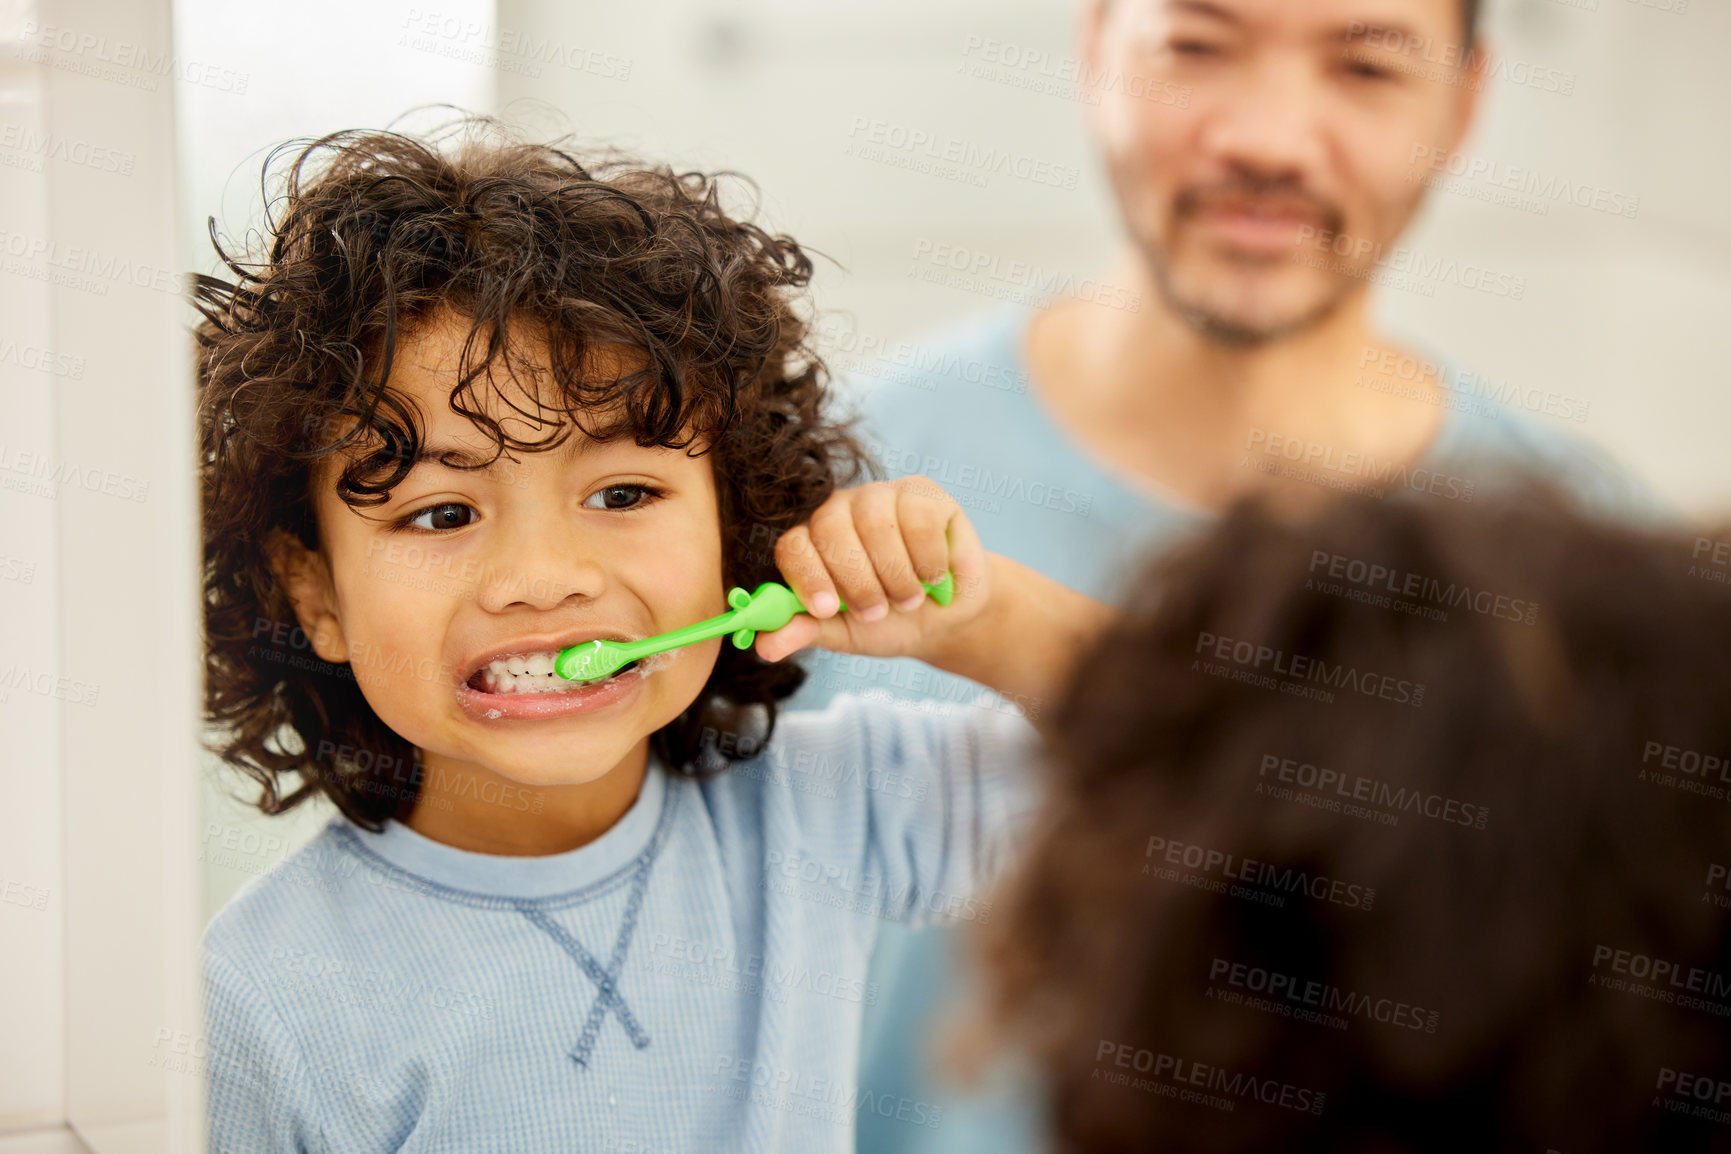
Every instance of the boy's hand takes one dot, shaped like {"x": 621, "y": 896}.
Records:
{"x": 871, "y": 546}
{"x": 1008, "y": 627}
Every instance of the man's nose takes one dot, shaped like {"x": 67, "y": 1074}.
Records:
{"x": 1267, "y": 121}
{"x": 540, "y": 567}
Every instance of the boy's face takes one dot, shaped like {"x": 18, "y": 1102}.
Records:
{"x": 462, "y": 568}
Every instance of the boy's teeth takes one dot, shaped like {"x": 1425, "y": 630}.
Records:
{"x": 531, "y": 674}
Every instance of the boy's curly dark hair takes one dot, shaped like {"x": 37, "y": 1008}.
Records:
{"x": 1519, "y": 826}
{"x": 374, "y": 230}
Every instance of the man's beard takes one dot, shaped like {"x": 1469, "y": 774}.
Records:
{"x": 1210, "y": 321}
{"x": 1222, "y": 328}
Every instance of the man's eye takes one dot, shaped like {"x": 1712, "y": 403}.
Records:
{"x": 1366, "y": 71}
{"x": 621, "y": 497}
{"x": 1195, "y": 48}
{"x": 450, "y": 515}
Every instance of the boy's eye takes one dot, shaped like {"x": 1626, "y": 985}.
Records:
{"x": 620, "y": 497}
{"x": 450, "y": 515}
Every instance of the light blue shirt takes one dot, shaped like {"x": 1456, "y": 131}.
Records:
{"x": 691, "y": 981}
{"x": 959, "y": 407}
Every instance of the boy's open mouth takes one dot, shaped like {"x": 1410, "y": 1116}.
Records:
{"x": 532, "y": 673}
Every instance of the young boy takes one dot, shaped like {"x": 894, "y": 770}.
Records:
{"x": 1402, "y": 828}
{"x": 480, "y": 402}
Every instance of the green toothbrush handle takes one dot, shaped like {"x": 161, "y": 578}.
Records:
{"x": 774, "y": 605}
{"x": 769, "y": 608}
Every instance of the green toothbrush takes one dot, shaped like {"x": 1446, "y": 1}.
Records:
{"x": 768, "y": 609}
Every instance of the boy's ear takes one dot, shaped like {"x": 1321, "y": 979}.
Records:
{"x": 306, "y": 577}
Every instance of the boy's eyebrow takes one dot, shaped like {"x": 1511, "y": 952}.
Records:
{"x": 455, "y": 456}
{"x": 451, "y": 456}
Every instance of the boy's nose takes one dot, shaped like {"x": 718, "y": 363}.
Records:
{"x": 540, "y": 570}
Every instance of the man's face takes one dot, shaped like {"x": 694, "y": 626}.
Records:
{"x": 1241, "y": 136}
{"x": 461, "y": 568}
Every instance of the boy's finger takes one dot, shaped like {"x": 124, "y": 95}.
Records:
{"x": 805, "y": 572}
{"x": 923, "y": 523}
{"x": 849, "y": 567}
{"x": 789, "y": 639}
{"x": 882, "y": 533}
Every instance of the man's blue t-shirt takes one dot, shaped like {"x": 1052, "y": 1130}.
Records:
{"x": 960, "y": 409}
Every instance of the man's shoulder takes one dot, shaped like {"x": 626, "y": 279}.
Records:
{"x": 1496, "y": 444}
{"x": 939, "y": 375}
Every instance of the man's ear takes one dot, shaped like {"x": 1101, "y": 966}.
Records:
{"x": 306, "y": 577}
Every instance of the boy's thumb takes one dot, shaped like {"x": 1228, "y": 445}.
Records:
{"x": 802, "y": 631}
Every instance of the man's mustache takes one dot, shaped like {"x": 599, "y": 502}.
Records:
{"x": 1282, "y": 197}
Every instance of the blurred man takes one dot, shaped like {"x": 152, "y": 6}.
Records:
{"x": 1265, "y": 156}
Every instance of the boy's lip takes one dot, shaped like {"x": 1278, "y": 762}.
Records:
{"x": 538, "y": 643}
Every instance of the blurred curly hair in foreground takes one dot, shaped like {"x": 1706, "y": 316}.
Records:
{"x": 1399, "y": 827}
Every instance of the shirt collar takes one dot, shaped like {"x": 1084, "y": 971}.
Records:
{"x": 538, "y": 876}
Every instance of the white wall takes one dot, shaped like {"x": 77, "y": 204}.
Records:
{"x": 778, "y": 89}
{"x": 309, "y": 68}
{"x": 32, "y": 991}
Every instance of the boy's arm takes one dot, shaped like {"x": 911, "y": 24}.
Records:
{"x": 904, "y": 811}
{"x": 1026, "y": 640}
